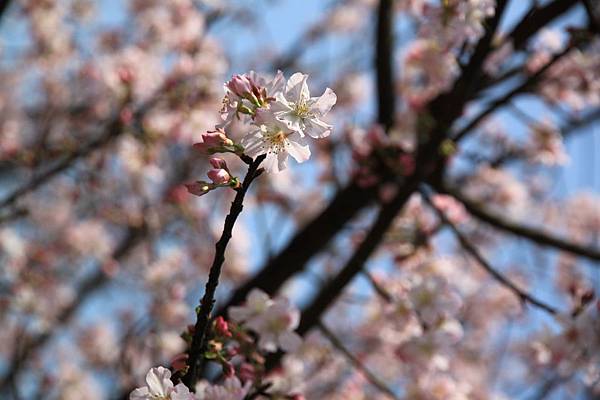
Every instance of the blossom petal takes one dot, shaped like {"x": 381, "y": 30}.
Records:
{"x": 297, "y": 88}
{"x": 298, "y": 148}
{"x": 324, "y": 103}
{"x": 282, "y": 161}
{"x": 159, "y": 381}
{"x": 140, "y": 394}
{"x": 253, "y": 143}
{"x": 290, "y": 341}
{"x": 271, "y": 163}
{"x": 316, "y": 128}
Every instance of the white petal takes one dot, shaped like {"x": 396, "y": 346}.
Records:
{"x": 324, "y": 103}
{"x": 298, "y": 148}
{"x": 296, "y": 88}
{"x": 238, "y": 313}
{"x": 276, "y": 85}
{"x": 181, "y": 392}
{"x": 158, "y": 381}
{"x": 270, "y": 163}
{"x": 254, "y": 144}
{"x": 316, "y": 128}
{"x": 280, "y": 104}
{"x": 282, "y": 161}
{"x": 291, "y": 120}
{"x": 140, "y": 394}
{"x": 290, "y": 341}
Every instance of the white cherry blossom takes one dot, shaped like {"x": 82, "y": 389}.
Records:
{"x": 159, "y": 387}
{"x": 301, "y": 112}
{"x": 231, "y": 389}
{"x": 275, "y": 139}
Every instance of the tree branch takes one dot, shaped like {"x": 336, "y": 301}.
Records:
{"x": 86, "y": 288}
{"x": 537, "y": 236}
{"x": 469, "y": 248}
{"x": 527, "y": 84}
{"x": 328, "y": 294}
{"x": 207, "y": 302}
{"x": 386, "y": 91}
{"x": 375, "y": 381}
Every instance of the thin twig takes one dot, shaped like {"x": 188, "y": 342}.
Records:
{"x": 527, "y": 84}
{"x": 373, "y": 380}
{"x": 535, "y": 235}
{"x": 208, "y": 300}
{"x": 469, "y": 248}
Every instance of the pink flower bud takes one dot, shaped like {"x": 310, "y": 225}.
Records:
{"x": 218, "y": 163}
{"x": 221, "y": 327}
{"x": 219, "y": 176}
{"x": 179, "y": 362}
{"x": 213, "y": 139}
{"x": 125, "y": 75}
{"x": 240, "y": 85}
{"x": 198, "y": 188}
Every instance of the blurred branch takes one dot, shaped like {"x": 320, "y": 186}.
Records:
{"x": 3, "y": 7}
{"x": 523, "y": 87}
{"x": 331, "y": 291}
{"x": 307, "y": 242}
{"x": 497, "y": 275}
{"x": 537, "y": 236}
{"x": 369, "y": 376}
{"x": 113, "y": 130}
{"x": 384, "y": 52}
{"x": 592, "y": 20}
{"x": 133, "y": 237}
{"x": 89, "y": 286}
{"x": 536, "y": 19}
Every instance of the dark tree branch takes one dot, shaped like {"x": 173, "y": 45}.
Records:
{"x": 535, "y": 235}
{"x": 310, "y": 240}
{"x": 497, "y": 275}
{"x": 523, "y": 87}
{"x": 369, "y": 376}
{"x": 386, "y": 91}
{"x": 592, "y": 20}
{"x": 536, "y": 19}
{"x": 206, "y": 304}
{"x": 331, "y": 291}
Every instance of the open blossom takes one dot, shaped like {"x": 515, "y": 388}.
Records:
{"x": 273, "y": 138}
{"x": 274, "y": 320}
{"x": 232, "y": 389}
{"x": 301, "y": 112}
{"x": 159, "y": 387}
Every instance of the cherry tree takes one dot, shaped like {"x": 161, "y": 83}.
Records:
{"x": 189, "y": 212}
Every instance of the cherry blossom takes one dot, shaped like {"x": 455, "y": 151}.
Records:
{"x": 301, "y": 112}
{"x": 274, "y": 320}
{"x": 275, "y": 139}
{"x": 231, "y": 389}
{"x": 160, "y": 386}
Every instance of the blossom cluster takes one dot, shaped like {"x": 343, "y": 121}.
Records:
{"x": 261, "y": 325}
{"x": 277, "y": 116}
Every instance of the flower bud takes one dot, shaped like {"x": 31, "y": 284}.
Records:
{"x": 213, "y": 139}
{"x": 221, "y": 327}
{"x": 199, "y": 188}
{"x": 219, "y": 176}
{"x": 218, "y": 163}
{"x": 240, "y": 85}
